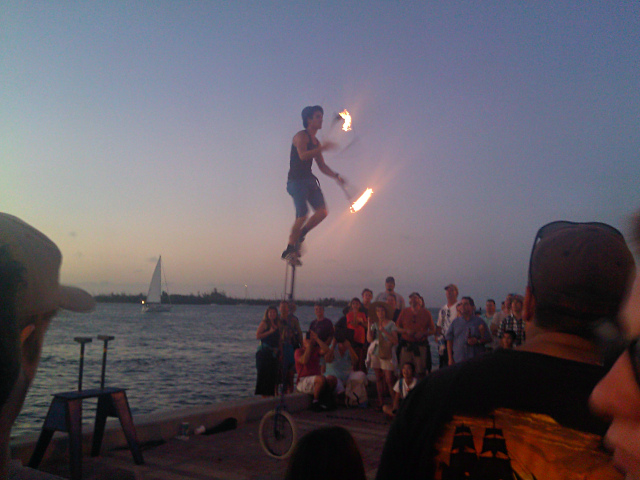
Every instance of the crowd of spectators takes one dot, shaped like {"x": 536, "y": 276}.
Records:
{"x": 381, "y": 337}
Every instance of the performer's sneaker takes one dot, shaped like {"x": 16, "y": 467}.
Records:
{"x": 289, "y": 252}
{"x": 294, "y": 261}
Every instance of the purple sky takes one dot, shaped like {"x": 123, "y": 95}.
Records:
{"x": 132, "y": 129}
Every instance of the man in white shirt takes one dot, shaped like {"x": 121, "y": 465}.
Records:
{"x": 389, "y": 288}
{"x": 446, "y": 316}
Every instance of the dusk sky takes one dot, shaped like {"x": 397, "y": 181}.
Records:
{"x": 132, "y": 129}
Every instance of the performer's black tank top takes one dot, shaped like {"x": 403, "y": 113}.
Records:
{"x": 300, "y": 168}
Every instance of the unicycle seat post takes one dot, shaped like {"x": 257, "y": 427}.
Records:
{"x": 106, "y": 339}
{"x": 82, "y": 341}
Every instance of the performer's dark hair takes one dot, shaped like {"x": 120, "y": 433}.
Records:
{"x": 307, "y": 113}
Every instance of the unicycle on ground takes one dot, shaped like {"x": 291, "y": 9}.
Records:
{"x": 278, "y": 432}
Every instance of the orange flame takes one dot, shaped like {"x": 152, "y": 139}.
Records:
{"x": 347, "y": 120}
{"x": 364, "y": 198}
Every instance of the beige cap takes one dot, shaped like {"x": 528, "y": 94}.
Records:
{"x": 39, "y": 259}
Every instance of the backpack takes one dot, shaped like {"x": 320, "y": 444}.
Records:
{"x": 356, "y": 393}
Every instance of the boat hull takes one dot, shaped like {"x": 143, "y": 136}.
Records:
{"x": 155, "y": 308}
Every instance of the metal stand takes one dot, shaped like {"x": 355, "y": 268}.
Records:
{"x": 65, "y": 415}
{"x": 82, "y": 341}
{"x": 106, "y": 339}
{"x": 290, "y": 286}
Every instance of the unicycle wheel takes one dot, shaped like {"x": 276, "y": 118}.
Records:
{"x": 278, "y": 434}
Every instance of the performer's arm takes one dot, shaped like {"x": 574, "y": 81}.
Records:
{"x": 300, "y": 141}
{"x": 324, "y": 168}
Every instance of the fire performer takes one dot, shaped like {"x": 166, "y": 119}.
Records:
{"x": 302, "y": 185}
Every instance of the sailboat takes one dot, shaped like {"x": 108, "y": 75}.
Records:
{"x": 154, "y": 297}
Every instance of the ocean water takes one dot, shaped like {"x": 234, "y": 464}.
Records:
{"x": 194, "y": 355}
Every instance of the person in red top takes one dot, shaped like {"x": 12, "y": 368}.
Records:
{"x": 416, "y": 324}
{"x": 310, "y": 378}
{"x": 357, "y": 322}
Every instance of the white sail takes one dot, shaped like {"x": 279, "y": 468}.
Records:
{"x": 155, "y": 287}
{"x": 154, "y": 297}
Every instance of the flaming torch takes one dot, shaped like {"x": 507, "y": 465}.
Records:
{"x": 360, "y": 201}
{"x": 346, "y": 126}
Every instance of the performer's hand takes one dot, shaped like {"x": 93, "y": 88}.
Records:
{"x": 329, "y": 145}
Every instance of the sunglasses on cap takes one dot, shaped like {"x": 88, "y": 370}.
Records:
{"x": 553, "y": 227}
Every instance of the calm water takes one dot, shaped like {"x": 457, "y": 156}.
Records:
{"x": 193, "y": 355}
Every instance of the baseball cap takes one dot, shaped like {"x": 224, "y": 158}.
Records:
{"x": 40, "y": 261}
{"x": 390, "y": 280}
{"x": 451, "y": 285}
{"x": 580, "y": 269}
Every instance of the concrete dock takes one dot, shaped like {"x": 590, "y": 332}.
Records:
{"x": 232, "y": 454}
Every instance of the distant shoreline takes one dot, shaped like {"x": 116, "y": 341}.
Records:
{"x": 215, "y": 298}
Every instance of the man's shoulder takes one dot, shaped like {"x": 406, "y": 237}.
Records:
{"x": 457, "y": 321}
{"x": 301, "y": 135}
{"x": 504, "y": 375}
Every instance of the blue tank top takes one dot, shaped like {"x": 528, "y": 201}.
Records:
{"x": 300, "y": 168}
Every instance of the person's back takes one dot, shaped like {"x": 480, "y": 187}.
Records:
{"x": 528, "y": 405}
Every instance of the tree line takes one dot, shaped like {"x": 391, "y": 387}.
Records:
{"x": 214, "y": 297}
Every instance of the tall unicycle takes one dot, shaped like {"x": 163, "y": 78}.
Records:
{"x": 278, "y": 432}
